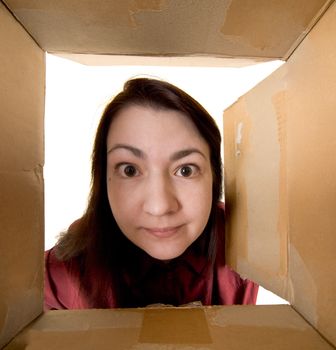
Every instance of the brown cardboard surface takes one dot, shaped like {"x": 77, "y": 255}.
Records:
{"x": 255, "y": 194}
{"x": 282, "y": 165}
{"x": 21, "y": 182}
{"x": 311, "y": 128}
{"x": 21, "y": 97}
{"x": 229, "y": 28}
{"x": 235, "y": 327}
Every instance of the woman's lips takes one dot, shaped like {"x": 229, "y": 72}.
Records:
{"x": 163, "y": 232}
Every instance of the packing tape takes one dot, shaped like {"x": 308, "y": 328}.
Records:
{"x": 175, "y": 326}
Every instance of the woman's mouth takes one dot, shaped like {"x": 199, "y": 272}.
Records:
{"x": 163, "y": 232}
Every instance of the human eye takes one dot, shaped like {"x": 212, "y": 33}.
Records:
{"x": 127, "y": 170}
{"x": 188, "y": 170}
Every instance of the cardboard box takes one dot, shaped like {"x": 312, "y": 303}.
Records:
{"x": 279, "y": 170}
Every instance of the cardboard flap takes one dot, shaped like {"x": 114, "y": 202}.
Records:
{"x": 21, "y": 180}
{"x": 268, "y": 29}
{"x": 311, "y": 130}
{"x": 280, "y": 184}
{"x": 255, "y": 187}
{"x": 217, "y": 328}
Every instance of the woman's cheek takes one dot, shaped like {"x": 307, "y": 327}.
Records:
{"x": 123, "y": 197}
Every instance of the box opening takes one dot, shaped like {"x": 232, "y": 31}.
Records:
{"x": 75, "y": 97}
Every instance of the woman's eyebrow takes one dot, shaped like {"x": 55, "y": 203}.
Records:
{"x": 140, "y": 154}
{"x": 186, "y": 152}
{"x": 136, "y": 151}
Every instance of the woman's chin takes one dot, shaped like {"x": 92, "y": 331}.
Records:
{"x": 165, "y": 254}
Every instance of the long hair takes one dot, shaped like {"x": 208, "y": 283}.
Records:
{"x": 95, "y": 241}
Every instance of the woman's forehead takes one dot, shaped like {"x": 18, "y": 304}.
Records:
{"x": 149, "y": 126}
{"x": 136, "y": 119}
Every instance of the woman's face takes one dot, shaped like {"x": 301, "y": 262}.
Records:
{"x": 159, "y": 179}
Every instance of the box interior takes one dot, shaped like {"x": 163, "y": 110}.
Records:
{"x": 279, "y": 162}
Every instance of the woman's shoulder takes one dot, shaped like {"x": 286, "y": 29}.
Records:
{"x": 52, "y": 263}
{"x": 50, "y": 257}
{"x": 61, "y": 285}
{"x": 233, "y": 289}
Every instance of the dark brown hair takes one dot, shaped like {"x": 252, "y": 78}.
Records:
{"x": 95, "y": 241}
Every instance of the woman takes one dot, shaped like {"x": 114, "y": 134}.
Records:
{"x": 153, "y": 231}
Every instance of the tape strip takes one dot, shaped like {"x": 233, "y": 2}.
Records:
{"x": 175, "y": 326}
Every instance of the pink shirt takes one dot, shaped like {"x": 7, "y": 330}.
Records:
{"x": 188, "y": 278}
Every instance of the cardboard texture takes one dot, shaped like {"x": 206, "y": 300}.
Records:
{"x": 21, "y": 181}
{"x": 231, "y": 327}
{"x": 280, "y": 170}
{"x": 254, "y": 185}
{"x": 225, "y": 28}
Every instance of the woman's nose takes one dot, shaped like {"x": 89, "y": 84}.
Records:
{"x": 160, "y": 196}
